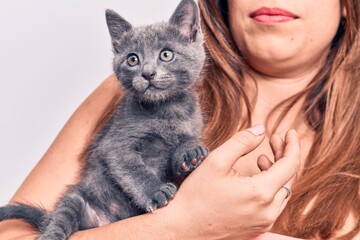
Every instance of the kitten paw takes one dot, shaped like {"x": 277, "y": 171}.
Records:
{"x": 192, "y": 159}
{"x": 161, "y": 197}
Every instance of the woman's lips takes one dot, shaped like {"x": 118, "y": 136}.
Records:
{"x": 272, "y": 15}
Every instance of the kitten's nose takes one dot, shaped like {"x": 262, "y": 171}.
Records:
{"x": 148, "y": 75}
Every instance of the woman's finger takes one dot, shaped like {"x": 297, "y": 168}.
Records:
{"x": 243, "y": 142}
{"x": 282, "y": 196}
{"x": 277, "y": 146}
{"x": 286, "y": 167}
{"x": 264, "y": 162}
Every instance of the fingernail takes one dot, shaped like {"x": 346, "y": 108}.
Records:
{"x": 293, "y": 131}
{"x": 257, "y": 130}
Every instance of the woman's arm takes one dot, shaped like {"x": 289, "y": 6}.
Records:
{"x": 214, "y": 202}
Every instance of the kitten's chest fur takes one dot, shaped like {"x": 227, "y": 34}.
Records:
{"x": 155, "y": 130}
{"x": 170, "y": 121}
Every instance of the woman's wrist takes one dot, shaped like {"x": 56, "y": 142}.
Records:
{"x": 176, "y": 222}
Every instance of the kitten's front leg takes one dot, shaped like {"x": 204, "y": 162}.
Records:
{"x": 161, "y": 196}
{"x": 187, "y": 157}
{"x": 140, "y": 182}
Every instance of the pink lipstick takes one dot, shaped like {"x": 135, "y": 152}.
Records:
{"x": 272, "y": 15}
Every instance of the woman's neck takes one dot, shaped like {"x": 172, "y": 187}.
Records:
{"x": 271, "y": 91}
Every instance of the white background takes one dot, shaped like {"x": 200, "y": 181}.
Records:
{"x": 53, "y": 54}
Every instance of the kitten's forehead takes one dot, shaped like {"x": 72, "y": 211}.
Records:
{"x": 151, "y": 37}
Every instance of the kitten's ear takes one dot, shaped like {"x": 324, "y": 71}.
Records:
{"x": 186, "y": 18}
{"x": 116, "y": 24}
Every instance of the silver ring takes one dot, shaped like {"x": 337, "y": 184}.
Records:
{"x": 288, "y": 191}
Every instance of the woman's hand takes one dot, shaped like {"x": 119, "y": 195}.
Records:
{"x": 216, "y": 202}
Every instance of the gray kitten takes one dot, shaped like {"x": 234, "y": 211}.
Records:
{"x": 152, "y": 141}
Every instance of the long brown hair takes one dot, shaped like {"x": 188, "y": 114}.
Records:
{"x": 331, "y": 177}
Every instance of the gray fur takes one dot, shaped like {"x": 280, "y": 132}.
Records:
{"x": 151, "y": 143}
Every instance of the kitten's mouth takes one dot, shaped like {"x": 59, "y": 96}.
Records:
{"x": 155, "y": 93}
{"x": 152, "y": 87}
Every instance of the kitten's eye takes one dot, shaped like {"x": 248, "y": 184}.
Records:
{"x": 133, "y": 60}
{"x": 166, "y": 55}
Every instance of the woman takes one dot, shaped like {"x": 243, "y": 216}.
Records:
{"x": 308, "y": 58}
{"x": 285, "y": 64}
